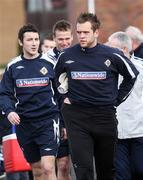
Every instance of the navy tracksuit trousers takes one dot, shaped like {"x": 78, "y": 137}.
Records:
{"x": 129, "y": 159}
{"x": 92, "y": 132}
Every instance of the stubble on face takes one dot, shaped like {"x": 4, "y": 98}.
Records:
{"x": 86, "y": 37}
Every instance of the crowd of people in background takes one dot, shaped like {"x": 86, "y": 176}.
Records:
{"x": 70, "y": 103}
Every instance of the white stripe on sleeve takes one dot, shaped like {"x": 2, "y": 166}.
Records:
{"x": 127, "y": 65}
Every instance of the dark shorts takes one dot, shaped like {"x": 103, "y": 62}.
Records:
{"x": 63, "y": 149}
{"x": 38, "y": 139}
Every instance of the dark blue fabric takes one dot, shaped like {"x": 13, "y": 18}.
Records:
{"x": 93, "y": 75}
{"x": 31, "y": 82}
{"x": 5, "y": 126}
{"x": 91, "y": 132}
{"x": 129, "y": 159}
{"x": 138, "y": 52}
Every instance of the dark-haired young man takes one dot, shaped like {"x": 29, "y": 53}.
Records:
{"x": 62, "y": 35}
{"x": 89, "y": 113}
{"x": 29, "y": 79}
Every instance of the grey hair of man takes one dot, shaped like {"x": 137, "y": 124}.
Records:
{"x": 122, "y": 40}
{"x": 135, "y": 33}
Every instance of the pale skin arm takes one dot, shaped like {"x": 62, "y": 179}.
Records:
{"x": 63, "y": 130}
{"x": 14, "y": 118}
{"x": 64, "y": 133}
{"x": 67, "y": 101}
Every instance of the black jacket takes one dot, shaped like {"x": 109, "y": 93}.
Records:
{"x": 93, "y": 75}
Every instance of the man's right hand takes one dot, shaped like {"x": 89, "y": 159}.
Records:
{"x": 67, "y": 101}
{"x": 14, "y": 118}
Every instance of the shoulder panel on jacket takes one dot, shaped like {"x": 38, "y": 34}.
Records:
{"x": 47, "y": 58}
{"x": 13, "y": 61}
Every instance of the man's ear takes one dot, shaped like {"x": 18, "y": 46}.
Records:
{"x": 125, "y": 49}
{"x": 72, "y": 37}
{"x": 20, "y": 43}
{"x": 96, "y": 33}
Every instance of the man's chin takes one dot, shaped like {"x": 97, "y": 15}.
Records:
{"x": 83, "y": 45}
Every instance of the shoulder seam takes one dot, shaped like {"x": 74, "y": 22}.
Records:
{"x": 13, "y": 61}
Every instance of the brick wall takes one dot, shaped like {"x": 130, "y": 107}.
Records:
{"x": 116, "y": 15}
{"x": 11, "y": 18}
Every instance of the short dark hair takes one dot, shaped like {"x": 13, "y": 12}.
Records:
{"x": 27, "y": 28}
{"x": 62, "y": 25}
{"x": 92, "y": 18}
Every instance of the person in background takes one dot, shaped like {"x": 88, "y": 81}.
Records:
{"x": 89, "y": 112}
{"x": 129, "y": 151}
{"x": 136, "y": 36}
{"x": 29, "y": 80}
{"x": 47, "y": 44}
{"x": 62, "y": 35}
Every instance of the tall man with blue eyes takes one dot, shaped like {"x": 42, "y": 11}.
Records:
{"x": 29, "y": 81}
{"x": 90, "y": 107}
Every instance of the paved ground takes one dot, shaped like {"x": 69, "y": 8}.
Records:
{"x": 73, "y": 174}
{"x": 2, "y": 178}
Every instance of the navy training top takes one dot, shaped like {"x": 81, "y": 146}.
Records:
{"x": 31, "y": 83}
{"x": 93, "y": 75}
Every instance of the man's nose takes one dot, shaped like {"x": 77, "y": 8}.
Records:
{"x": 34, "y": 42}
{"x": 82, "y": 34}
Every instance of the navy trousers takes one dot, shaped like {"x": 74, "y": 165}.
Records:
{"x": 129, "y": 159}
{"x": 92, "y": 132}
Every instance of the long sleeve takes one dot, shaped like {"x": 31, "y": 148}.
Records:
{"x": 7, "y": 92}
{"x": 129, "y": 72}
{"x": 93, "y": 75}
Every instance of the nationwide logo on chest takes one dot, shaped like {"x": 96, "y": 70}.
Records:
{"x": 44, "y": 70}
{"x": 32, "y": 82}
{"x": 95, "y": 75}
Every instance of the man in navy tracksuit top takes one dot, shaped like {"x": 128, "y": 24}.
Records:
{"x": 89, "y": 110}
{"x": 29, "y": 81}
{"x": 62, "y": 35}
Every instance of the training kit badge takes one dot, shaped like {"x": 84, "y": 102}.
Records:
{"x": 107, "y": 63}
{"x": 44, "y": 71}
